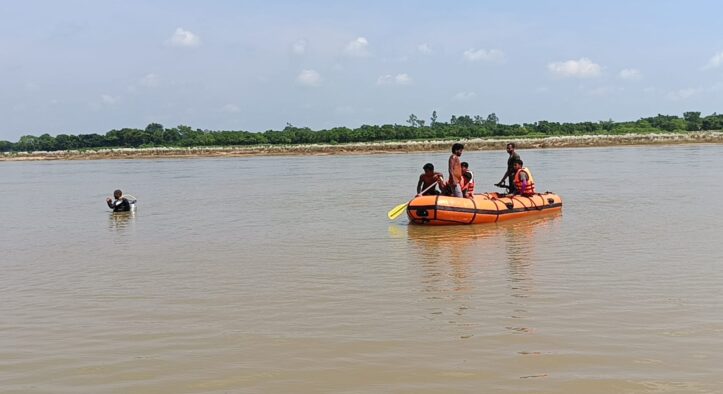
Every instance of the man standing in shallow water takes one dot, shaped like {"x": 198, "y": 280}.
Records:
{"x": 121, "y": 204}
{"x": 455, "y": 170}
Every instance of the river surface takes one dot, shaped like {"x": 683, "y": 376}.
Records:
{"x": 284, "y": 275}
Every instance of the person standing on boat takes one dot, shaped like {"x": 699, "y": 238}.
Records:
{"x": 455, "y": 171}
{"x": 510, "y": 173}
{"x": 121, "y": 204}
{"x": 428, "y": 178}
{"x": 523, "y": 181}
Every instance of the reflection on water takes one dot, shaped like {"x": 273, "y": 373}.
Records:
{"x": 460, "y": 247}
{"x": 521, "y": 239}
{"x": 520, "y": 242}
{"x": 455, "y": 260}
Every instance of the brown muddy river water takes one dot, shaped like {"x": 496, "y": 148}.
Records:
{"x": 283, "y": 275}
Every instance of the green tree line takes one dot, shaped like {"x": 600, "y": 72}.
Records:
{"x": 464, "y": 126}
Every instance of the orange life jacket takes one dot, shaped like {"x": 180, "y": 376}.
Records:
{"x": 530, "y": 189}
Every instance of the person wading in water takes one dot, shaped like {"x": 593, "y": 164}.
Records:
{"x": 121, "y": 204}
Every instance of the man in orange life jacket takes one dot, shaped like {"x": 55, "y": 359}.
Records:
{"x": 524, "y": 182}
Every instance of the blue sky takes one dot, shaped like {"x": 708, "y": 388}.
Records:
{"x": 91, "y": 66}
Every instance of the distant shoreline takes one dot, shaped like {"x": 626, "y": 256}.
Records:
{"x": 371, "y": 147}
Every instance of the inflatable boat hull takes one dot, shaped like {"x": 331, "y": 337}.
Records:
{"x": 483, "y": 208}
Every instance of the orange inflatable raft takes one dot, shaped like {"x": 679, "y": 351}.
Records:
{"x": 483, "y": 208}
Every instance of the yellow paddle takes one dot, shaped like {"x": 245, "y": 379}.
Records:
{"x": 396, "y": 211}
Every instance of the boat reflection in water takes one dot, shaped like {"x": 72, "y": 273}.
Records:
{"x": 461, "y": 264}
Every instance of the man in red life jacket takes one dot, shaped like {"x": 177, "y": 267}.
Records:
{"x": 524, "y": 182}
{"x": 428, "y": 178}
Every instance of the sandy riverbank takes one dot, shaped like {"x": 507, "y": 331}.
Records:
{"x": 372, "y": 147}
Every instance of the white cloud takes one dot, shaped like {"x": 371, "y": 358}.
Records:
{"x": 476, "y": 55}
{"x": 357, "y": 48}
{"x": 424, "y": 49}
{"x": 108, "y": 99}
{"x": 184, "y": 38}
{"x": 150, "y": 80}
{"x": 399, "y": 79}
{"x": 465, "y": 96}
{"x": 582, "y": 68}
{"x": 385, "y": 79}
{"x": 402, "y": 79}
{"x": 299, "y": 47}
{"x": 715, "y": 61}
{"x": 682, "y": 94}
{"x": 309, "y": 78}
{"x": 630, "y": 74}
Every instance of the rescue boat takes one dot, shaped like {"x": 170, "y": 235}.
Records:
{"x": 483, "y": 208}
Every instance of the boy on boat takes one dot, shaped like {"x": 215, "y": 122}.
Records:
{"x": 467, "y": 185}
{"x": 467, "y": 181}
{"x": 428, "y": 178}
{"x": 465, "y": 168}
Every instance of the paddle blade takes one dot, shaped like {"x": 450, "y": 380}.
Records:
{"x": 396, "y": 211}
